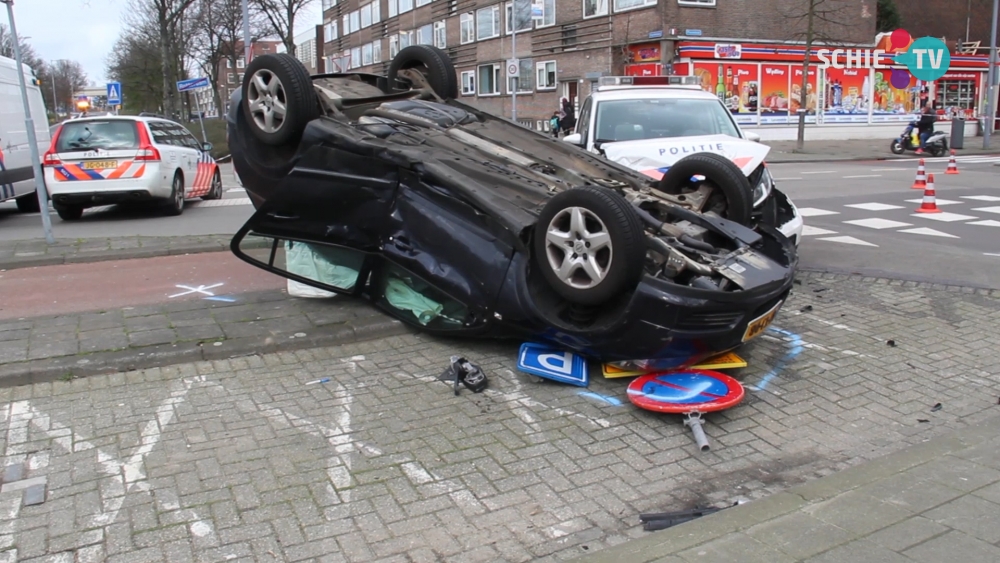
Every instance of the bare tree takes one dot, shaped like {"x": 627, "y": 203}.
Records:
{"x": 62, "y": 78}
{"x": 281, "y": 15}
{"x": 28, "y": 56}
{"x": 136, "y": 63}
{"x": 816, "y": 21}
{"x": 219, "y": 32}
{"x": 164, "y": 15}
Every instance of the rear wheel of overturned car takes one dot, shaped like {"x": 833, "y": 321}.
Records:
{"x": 731, "y": 188}
{"x": 433, "y": 63}
{"x": 278, "y": 98}
{"x": 589, "y": 245}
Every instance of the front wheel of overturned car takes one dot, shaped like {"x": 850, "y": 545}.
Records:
{"x": 278, "y": 98}
{"x": 589, "y": 245}
{"x": 433, "y": 63}
{"x": 731, "y": 189}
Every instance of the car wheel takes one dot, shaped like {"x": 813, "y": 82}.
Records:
{"x": 433, "y": 63}
{"x": 175, "y": 205}
{"x": 69, "y": 212}
{"x": 28, "y": 203}
{"x": 731, "y": 188}
{"x": 896, "y": 147}
{"x": 278, "y": 98}
{"x": 216, "y": 191}
{"x": 589, "y": 245}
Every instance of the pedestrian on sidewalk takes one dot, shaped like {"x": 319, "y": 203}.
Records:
{"x": 554, "y": 124}
{"x": 569, "y": 117}
{"x": 925, "y": 127}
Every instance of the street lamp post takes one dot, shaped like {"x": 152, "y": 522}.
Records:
{"x": 36, "y": 162}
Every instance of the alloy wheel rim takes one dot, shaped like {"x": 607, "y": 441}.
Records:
{"x": 578, "y": 247}
{"x": 267, "y": 101}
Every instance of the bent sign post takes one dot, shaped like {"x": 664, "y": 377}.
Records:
{"x": 193, "y": 85}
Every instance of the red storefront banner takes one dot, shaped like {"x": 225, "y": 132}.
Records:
{"x": 773, "y": 99}
{"x": 812, "y": 94}
{"x": 736, "y": 84}
{"x": 891, "y": 103}
{"x": 847, "y": 95}
{"x": 647, "y": 69}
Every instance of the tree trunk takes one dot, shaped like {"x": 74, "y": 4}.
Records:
{"x": 804, "y": 93}
{"x": 290, "y": 39}
{"x": 165, "y": 58}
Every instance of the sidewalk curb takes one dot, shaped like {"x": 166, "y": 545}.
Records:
{"x": 663, "y": 544}
{"x": 16, "y": 262}
{"x": 53, "y": 369}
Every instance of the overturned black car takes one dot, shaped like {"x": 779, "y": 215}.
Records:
{"x": 459, "y": 222}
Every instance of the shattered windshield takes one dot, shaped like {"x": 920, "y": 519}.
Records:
{"x": 90, "y": 135}
{"x": 630, "y": 120}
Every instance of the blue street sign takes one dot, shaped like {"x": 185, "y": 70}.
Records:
{"x": 550, "y": 363}
{"x": 192, "y": 84}
{"x": 114, "y": 93}
{"x": 656, "y": 34}
{"x": 685, "y": 391}
{"x": 692, "y": 32}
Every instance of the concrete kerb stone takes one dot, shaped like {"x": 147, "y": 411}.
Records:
{"x": 109, "y": 249}
{"x": 662, "y": 544}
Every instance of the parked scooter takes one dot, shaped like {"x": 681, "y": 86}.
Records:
{"x": 937, "y": 142}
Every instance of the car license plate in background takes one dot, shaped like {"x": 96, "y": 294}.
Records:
{"x": 100, "y": 164}
{"x": 758, "y": 325}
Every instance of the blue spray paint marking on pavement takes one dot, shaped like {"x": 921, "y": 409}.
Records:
{"x": 794, "y": 349}
{"x": 607, "y": 399}
{"x": 222, "y": 298}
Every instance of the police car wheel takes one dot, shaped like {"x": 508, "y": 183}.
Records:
{"x": 721, "y": 174}
{"x": 175, "y": 204}
{"x": 28, "y": 203}
{"x": 216, "y": 190}
{"x": 69, "y": 212}
{"x": 278, "y": 98}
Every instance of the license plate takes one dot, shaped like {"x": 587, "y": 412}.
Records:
{"x": 100, "y": 164}
{"x": 758, "y": 325}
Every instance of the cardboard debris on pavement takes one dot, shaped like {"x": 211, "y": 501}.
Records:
{"x": 728, "y": 360}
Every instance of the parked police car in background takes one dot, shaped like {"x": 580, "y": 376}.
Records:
{"x": 651, "y": 123}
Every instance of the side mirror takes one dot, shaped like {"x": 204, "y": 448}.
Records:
{"x": 206, "y": 147}
{"x": 574, "y": 139}
{"x": 751, "y": 136}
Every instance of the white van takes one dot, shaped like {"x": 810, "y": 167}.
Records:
{"x": 17, "y": 180}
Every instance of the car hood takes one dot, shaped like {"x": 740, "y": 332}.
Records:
{"x": 653, "y": 157}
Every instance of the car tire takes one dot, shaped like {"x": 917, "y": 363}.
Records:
{"x": 570, "y": 225}
{"x": 28, "y": 203}
{"x": 433, "y": 63}
{"x": 278, "y": 78}
{"x": 722, "y": 173}
{"x": 896, "y": 147}
{"x": 175, "y": 205}
{"x": 215, "y": 192}
{"x": 69, "y": 212}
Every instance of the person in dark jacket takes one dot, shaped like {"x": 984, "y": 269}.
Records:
{"x": 925, "y": 127}
{"x": 569, "y": 120}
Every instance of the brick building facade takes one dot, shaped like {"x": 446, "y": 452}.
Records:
{"x": 232, "y": 78}
{"x": 563, "y": 54}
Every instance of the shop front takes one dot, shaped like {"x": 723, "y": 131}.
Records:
{"x": 761, "y": 84}
{"x": 643, "y": 60}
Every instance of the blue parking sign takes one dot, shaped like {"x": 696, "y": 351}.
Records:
{"x": 550, "y": 363}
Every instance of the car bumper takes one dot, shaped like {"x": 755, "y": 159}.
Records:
{"x": 71, "y": 191}
{"x": 790, "y": 222}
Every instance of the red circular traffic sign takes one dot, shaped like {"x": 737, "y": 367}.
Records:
{"x": 685, "y": 391}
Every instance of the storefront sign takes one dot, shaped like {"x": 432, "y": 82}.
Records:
{"x": 728, "y": 50}
{"x": 960, "y": 76}
{"x": 645, "y": 52}
{"x": 847, "y": 95}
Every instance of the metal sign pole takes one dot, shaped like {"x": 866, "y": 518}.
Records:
{"x": 513, "y": 48}
{"x": 246, "y": 34}
{"x": 36, "y": 162}
{"x": 991, "y": 108}
{"x": 204, "y": 138}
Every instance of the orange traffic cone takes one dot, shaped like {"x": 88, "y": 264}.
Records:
{"x": 921, "y": 181}
{"x": 929, "y": 205}
{"x": 952, "y": 165}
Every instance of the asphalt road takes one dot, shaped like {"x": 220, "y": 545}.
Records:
{"x": 200, "y": 218}
{"x": 860, "y": 217}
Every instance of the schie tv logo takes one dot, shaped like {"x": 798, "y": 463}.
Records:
{"x": 926, "y": 59}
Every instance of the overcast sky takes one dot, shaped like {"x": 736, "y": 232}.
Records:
{"x": 86, "y": 30}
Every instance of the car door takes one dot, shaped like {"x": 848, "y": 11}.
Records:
{"x": 167, "y": 145}
{"x": 199, "y": 177}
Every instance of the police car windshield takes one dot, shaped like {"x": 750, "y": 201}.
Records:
{"x": 90, "y": 135}
{"x": 630, "y": 120}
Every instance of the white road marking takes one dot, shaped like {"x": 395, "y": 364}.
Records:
{"x": 889, "y": 169}
{"x": 809, "y": 230}
{"x": 981, "y": 197}
{"x": 986, "y": 223}
{"x": 874, "y": 206}
{"x": 813, "y": 212}
{"x": 820, "y": 172}
{"x": 230, "y": 202}
{"x": 876, "y": 223}
{"x": 783, "y": 179}
{"x": 944, "y": 216}
{"x": 863, "y": 176}
{"x": 203, "y": 289}
{"x": 927, "y": 231}
{"x": 990, "y": 254}
{"x": 849, "y": 240}
{"x": 994, "y": 209}
{"x": 937, "y": 200}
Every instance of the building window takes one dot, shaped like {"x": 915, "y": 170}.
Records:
{"x": 229, "y": 63}
{"x": 702, "y": 3}
{"x": 239, "y": 63}
{"x": 239, "y": 78}
{"x": 229, "y": 78}
{"x": 509, "y": 15}
{"x": 366, "y": 16}
{"x": 468, "y": 26}
{"x": 405, "y": 6}
{"x": 393, "y": 46}
{"x": 393, "y": 9}
{"x": 327, "y": 4}
{"x": 331, "y": 30}
{"x": 593, "y": 8}
{"x": 487, "y": 25}
{"x": 546, "y": 73}
{"x": 355, "y": 20}
{"x": 377, "y": 51}
{"x": 376, "y": 11}
{"x": 622, "y": 5}
{"x": 346, "y": 24}
{"x": 523, "y": 81}
{"x": 425, "y": 35}
{"x": 468, "y": 82}
{"x": 423, "y": 3}
{"x": 356, "y": 57}
{"x": 406, "y": 39}
{"x": 366, "y": 54}
{"x": 489, "y": 79}
{"x": 440, "y": 34}
{"x": 548, "y": 14}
